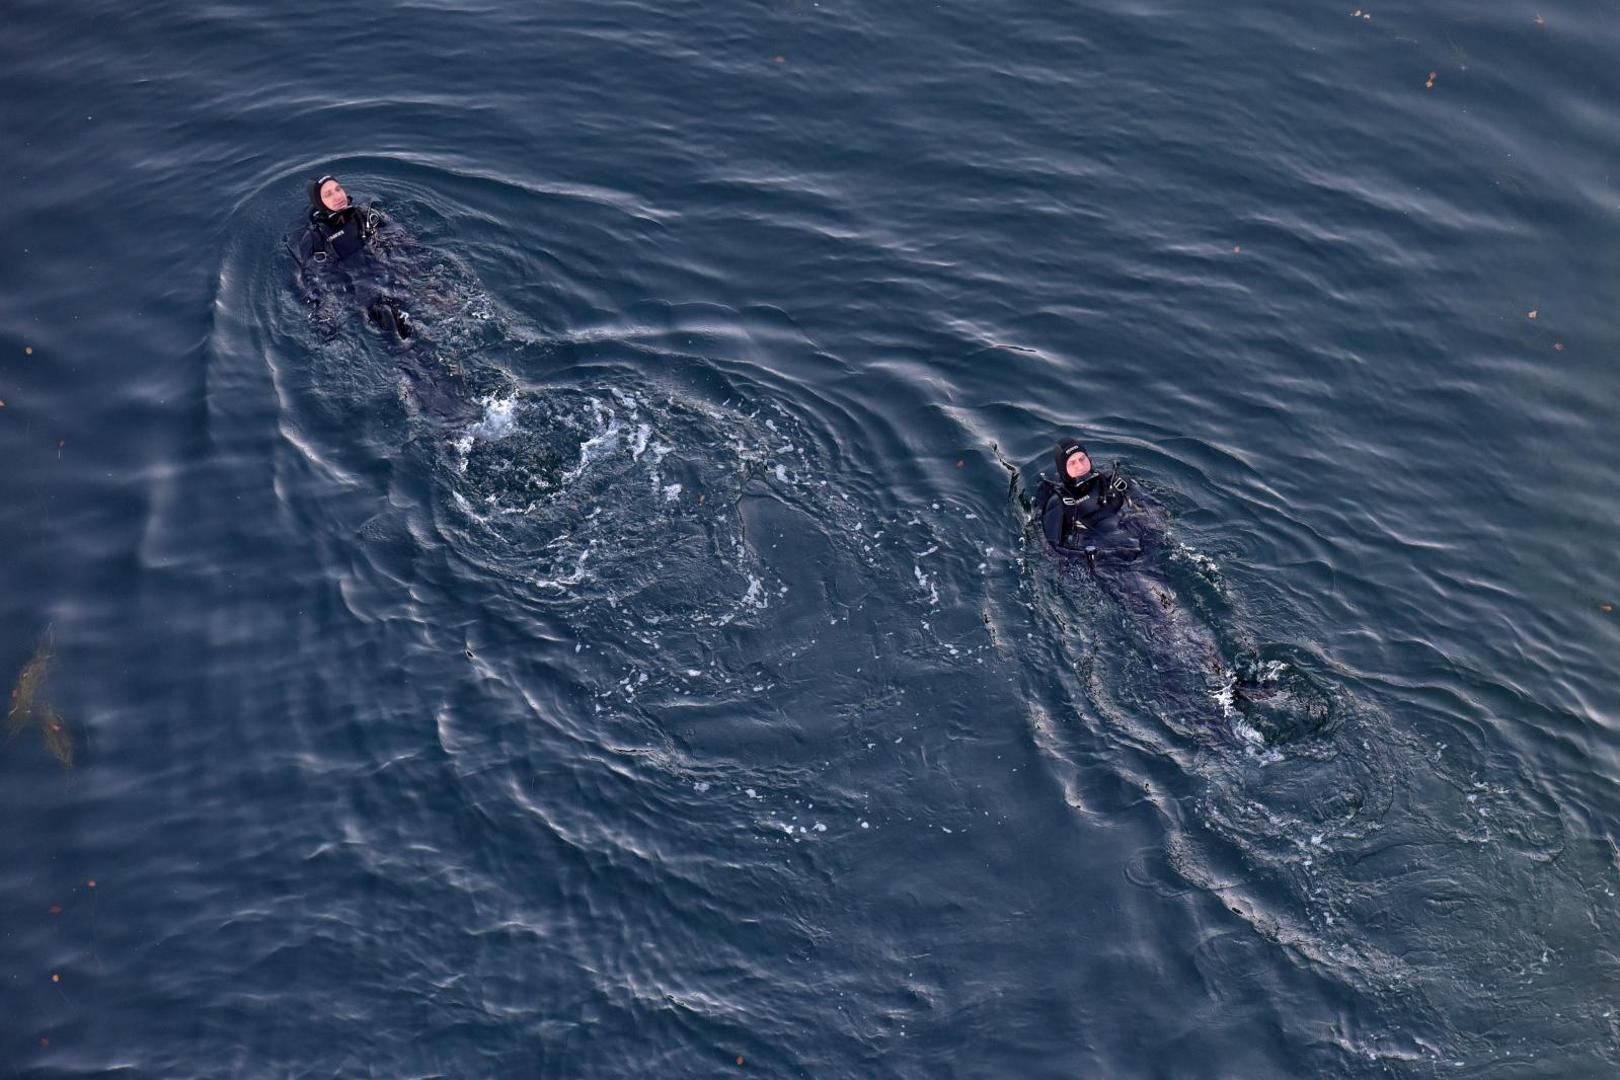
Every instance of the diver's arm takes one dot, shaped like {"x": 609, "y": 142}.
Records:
{"x": 304, "y": 277}
{"x": 1053, "y": 521}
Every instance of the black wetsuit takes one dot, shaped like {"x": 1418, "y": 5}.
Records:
{"x": 334, "y": 238}
{"x": 1085, "y": 518}
{"x": 335, "y": 235}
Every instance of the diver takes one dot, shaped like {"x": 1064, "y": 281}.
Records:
{"x": 1083, "y": 512}
{"x": 337, "y": 233}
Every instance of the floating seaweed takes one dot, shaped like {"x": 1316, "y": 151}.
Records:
{"x": 58, "y": 739}
{"x": 26, "y": 707}
{"x": 23, "y": 694}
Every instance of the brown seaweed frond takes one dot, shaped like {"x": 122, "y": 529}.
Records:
{"x": 58, "y": 738}
{"x": 29, "y": 681}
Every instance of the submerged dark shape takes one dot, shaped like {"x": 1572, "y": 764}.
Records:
{"x": 1099, "y": 521}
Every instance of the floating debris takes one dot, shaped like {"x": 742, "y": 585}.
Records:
{"x": 1433, "y": 75}
{"x": 58, "y": 739}
{"x": 27, "y": 708}
{"x": 29, "y": 680}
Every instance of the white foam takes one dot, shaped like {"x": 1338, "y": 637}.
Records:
{"x": 499, "y": 420}
{"x": 1247, "y": 732}
{"x": 924, "y": 583}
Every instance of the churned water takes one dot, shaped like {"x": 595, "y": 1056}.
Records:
{"x": 650, "y": 670}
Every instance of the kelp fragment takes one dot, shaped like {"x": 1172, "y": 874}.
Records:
{"x": 58, "y": 739}
{"x": 27, "y": 707}
{"x": 31, "y": 678}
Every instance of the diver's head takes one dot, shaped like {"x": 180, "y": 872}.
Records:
{"x": 327, "y": 194}
{"x": 1073, "y": 463}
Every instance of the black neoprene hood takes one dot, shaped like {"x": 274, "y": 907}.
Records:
{"x": 315, "y": 192}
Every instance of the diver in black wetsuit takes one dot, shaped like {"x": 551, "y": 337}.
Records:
{"x": 1082, "y": 512}
{"x": 336, "y": 233}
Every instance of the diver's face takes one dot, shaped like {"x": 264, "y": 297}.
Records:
{"x": 333, "y": 197}
{"x": 1078, "y": 465}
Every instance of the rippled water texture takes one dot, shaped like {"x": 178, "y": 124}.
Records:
{"x": 649, "y": 670}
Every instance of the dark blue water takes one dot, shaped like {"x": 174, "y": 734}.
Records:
{"x": 651, "y": 671}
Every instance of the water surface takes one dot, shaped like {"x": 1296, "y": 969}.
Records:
{"x": 651, "y": 672}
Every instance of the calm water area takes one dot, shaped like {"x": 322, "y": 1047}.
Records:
{"x": 650, "y": 668}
